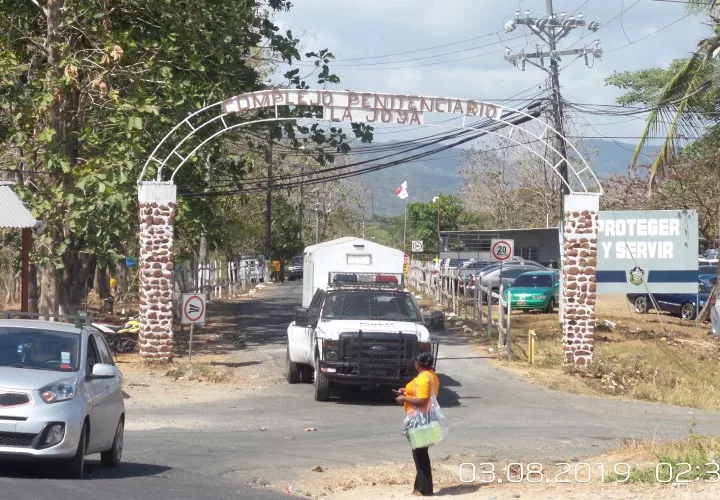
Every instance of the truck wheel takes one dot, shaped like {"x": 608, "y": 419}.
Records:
{"x": 322, "y": 384}
{"x": 292, "y": 370}
{"x": 306, "y": 374}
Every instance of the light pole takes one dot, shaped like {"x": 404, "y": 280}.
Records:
{"x": 436, "y": 200}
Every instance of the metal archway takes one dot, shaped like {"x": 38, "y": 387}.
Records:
{"x": 216, "y": 119}
{"x": 184, "y": 140}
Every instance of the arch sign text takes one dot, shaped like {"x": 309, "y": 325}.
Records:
{"x": 369, "y": 107}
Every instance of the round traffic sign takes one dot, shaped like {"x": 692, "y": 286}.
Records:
{"x": 501, "y": 250}
{"x": 417, "y": 246}
{"x": 194, "y": 308}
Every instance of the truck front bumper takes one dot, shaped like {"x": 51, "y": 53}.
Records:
{"x": 348, "y": 374}
{"x": 365, "y": 358}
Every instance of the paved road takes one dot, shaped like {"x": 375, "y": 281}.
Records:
{"x": 216, "y": 450}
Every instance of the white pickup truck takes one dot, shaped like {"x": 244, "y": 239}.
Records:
{"x": 361, "y": 329}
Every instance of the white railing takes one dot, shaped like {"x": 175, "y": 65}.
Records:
{"x": 449, "y": 290}
{"x": 218, "y": 278}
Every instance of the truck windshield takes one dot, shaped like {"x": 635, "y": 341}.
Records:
{"x": 370, "y": 304}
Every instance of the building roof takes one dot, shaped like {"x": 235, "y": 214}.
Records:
{"x": 489, "y": 231}
{"x": 13, "y": 214}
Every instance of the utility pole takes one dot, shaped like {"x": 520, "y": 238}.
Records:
{"x": 302, "y": 203}
{"x": 268, "y": 199}
{"x": 317, "y": 222}
{"x": 550, "y": 30}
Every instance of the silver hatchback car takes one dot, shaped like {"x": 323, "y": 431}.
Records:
{"x": 60, "y": 394}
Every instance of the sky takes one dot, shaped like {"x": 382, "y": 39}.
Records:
{"x": 468, "y": 61}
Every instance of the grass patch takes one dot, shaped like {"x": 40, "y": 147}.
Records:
{"x": 200, "y": 372}
{"x": 697, "y": 457}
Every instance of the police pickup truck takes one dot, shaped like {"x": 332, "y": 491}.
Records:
{"x": 361, "y": 329}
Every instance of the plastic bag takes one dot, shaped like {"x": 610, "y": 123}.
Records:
{"x": 426, "y": 427}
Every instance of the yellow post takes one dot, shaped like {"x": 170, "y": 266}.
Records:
{"x": 531, "y": 346}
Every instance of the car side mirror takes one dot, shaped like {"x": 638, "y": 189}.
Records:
{"x": 302, "y": 316}
{"x": 102, "y": 370}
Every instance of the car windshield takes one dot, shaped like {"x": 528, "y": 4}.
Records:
{"x": 370, "y": 304}
{"x": 39, "y": 349}
{"x": 707, "y": 269}
{"x": 533, "y": 281}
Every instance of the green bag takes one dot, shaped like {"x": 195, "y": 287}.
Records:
{"x": 425, "y": 435}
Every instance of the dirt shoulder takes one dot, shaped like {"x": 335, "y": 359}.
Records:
{"x": 577, "y": 479}
{"x": 222, "y": 364}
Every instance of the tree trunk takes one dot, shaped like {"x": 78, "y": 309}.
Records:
{"x": 83, "y": 268}
{"x": 48, "y": 291}
{"x": 102, "y": 284}
{"x": 33, "y": 290}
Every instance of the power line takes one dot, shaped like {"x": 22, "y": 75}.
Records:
{"x": 344, "y": 175}
{"x": 418, "y": 50}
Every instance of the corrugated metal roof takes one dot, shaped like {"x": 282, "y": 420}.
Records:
{"x": 13, "y": 214}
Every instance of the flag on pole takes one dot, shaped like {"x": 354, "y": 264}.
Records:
{"x": 401, "y": 192}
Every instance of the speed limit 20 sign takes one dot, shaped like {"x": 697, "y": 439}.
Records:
{"x": 502, "y": 250}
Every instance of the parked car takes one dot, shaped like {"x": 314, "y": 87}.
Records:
{"x": 491, "y": 278}
{"x": 295, "y": 268}
{"x": 534, "y": 290}
{"x": 469, "y": 271}
{"x": 60, "y": 394}
{"x": 685, "y": 305}
{"x": 710, "y": 256}
{"x": 707, "y": 269}
{"x": 709, "y": 280}
{"x": 455, "y": 263}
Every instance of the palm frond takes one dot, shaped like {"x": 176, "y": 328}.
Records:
{"x": 677, "y": 105}
{"x": 702, "y": 6}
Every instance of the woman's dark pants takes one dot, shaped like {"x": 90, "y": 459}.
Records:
{"x": 423, "y": 474}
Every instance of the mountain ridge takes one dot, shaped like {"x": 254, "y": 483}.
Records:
{"x": 440, "y": 173}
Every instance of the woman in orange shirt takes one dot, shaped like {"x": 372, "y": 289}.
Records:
{"x": 416, "y": 396}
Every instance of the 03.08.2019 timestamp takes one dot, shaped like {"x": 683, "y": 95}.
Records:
{"x": 582, "y": 472}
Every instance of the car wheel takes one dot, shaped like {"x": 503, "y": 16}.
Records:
{"x": 550, "y": 306}
{"x": 322, "y": 384}
{"x": 687, "y": 311}
{"x": 640, "y": 304}
{"x": 292, "y": 370}
{"x": 111, "y": 457}
{"x": 76, "y": 465}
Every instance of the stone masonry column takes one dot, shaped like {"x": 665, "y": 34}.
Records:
{"x": 578, "y": 277}
{"x": 157, "y": 216}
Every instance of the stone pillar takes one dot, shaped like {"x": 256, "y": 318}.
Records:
{"x": 578, "y": 277}
{"x": 157, "y": 216}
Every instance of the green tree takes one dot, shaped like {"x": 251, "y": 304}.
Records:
{"x": 424, "y": 219}
{"x": 88, "y": 87}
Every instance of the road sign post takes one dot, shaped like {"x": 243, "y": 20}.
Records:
{"x": 501, "y": 250}
{"x": 193, "y": 312}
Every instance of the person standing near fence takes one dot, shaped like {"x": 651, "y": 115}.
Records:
{"x": 416, "y": 396}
